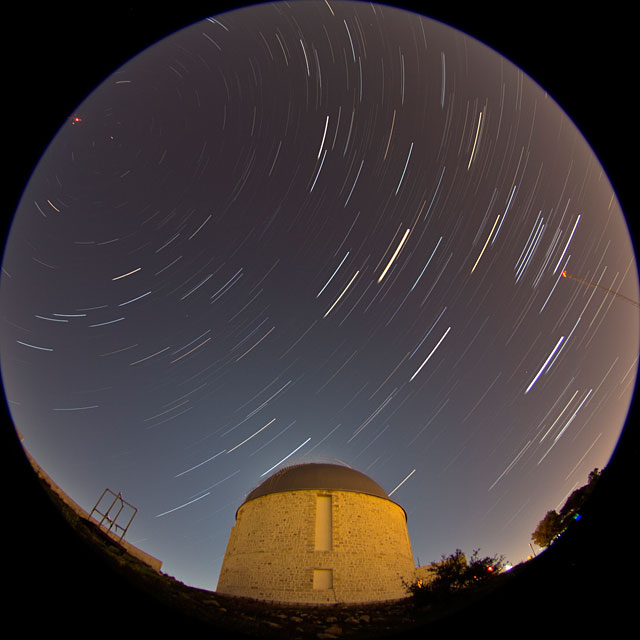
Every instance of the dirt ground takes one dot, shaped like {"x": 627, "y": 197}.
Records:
{"x": 77, "y": 578}
{"x": 165, "y": 598}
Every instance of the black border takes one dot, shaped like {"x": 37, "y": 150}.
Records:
{"x": 55, "y": 55}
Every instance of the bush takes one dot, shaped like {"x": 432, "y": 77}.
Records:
{"x": 452, "y": 574}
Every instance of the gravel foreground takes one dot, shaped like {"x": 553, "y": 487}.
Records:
{"x": 90, "y": 582}
{"x": 246, "y": 617}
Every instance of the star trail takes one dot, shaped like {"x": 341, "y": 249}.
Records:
{"x": 320, "y": 231}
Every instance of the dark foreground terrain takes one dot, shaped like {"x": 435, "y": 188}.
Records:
{"x": 142, "y": 597}
{"x": 65, "y": 574}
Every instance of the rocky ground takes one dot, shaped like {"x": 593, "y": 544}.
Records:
{"x": 76, "y": 576}
{"x": 253, "y": 618}
{"x": 163, "y": 597}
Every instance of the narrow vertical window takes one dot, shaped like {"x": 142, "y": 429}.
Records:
{"x": 323, "y": 523}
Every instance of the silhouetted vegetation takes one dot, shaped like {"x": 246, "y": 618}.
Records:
{"x": 553, "y": 524}
{"x": 454, "y": 573}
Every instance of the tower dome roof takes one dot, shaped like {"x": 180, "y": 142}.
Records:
{"x": 318, "y": 476}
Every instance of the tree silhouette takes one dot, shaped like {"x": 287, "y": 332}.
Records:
{"x": 553, "y": 524}
{"x": 549, "y": 528}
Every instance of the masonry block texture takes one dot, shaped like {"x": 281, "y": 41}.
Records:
{"x": 273, "y": 554}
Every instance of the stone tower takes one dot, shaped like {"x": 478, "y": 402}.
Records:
{"x": 318, "y": 533}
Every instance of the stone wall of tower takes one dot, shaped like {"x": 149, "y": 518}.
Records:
{"x": 271, "y": 554}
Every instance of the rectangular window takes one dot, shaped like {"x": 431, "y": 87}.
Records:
{"x": 323, "y": 578}
{"x": 323, "y": 523}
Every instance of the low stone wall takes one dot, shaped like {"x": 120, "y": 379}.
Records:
{"x": 154, "y": 563}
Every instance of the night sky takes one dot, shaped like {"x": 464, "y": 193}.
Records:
{"x": 323, "y": 232}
